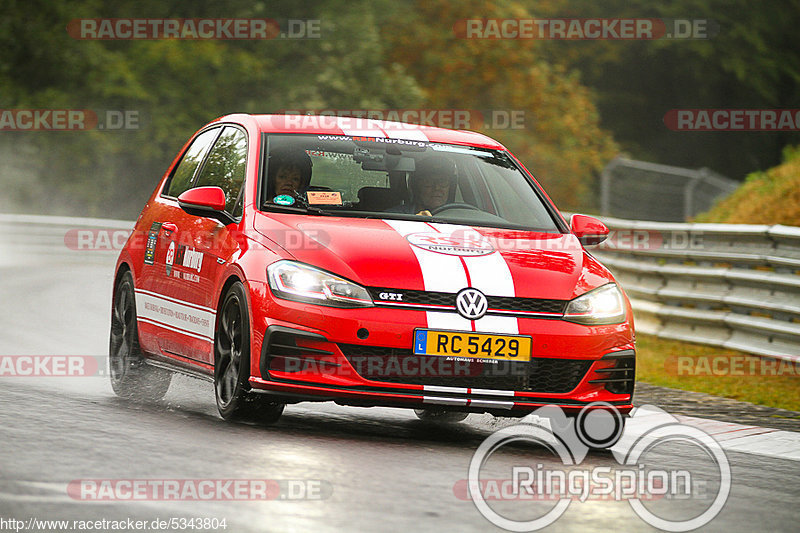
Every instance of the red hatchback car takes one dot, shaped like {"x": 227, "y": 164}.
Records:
{"x": 299, "y": 258}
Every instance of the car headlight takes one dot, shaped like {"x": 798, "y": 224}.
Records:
{"x": 603, "y": 305}
{"x": 303, "y": 283}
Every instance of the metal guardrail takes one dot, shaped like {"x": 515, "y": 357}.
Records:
{"x": 32, "y": 235}
{"x": 735, "y": 286}
{"x": 729, "y": 285}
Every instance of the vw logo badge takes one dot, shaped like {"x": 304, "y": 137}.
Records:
{"x": 471, "y": 304}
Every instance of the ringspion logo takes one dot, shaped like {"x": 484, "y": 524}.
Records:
{"x": 566, "y": 480}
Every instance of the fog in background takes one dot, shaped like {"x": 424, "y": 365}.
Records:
{"x": 584, "y": 102}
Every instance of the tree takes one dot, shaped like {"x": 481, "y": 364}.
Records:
{"x": 175, "y": 86}
{"x": 750, "y": 60}
{"x": 562, "y": 142}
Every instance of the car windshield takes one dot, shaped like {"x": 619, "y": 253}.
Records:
{"x": 374, "y": 177}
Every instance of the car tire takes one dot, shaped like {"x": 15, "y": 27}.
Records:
{"x": 131, "y": 376}
{"x": 235, "y": 400}
{"x": 440, "y": 415}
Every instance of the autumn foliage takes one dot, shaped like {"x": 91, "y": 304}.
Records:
{"x": 562, "y": 142}
{"x": 769, "y": 197}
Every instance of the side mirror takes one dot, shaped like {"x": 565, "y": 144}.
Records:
{"x": 588, "y": 229}
{"x": 205, "y": 202}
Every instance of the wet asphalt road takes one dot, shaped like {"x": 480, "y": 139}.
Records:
{"x": 376, "y": 469}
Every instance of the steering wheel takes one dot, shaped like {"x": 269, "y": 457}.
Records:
{"x": 454, "y": 205}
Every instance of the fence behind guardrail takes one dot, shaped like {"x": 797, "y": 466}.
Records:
{"x": 648, "y": 191}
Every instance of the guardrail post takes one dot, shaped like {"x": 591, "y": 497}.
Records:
{"x": 688, "y": 196}
{"x": 605, "y": 187}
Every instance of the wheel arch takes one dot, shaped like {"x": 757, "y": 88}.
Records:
{"x": 232, "y": 278}
{"x": 123, "y": 267}
{"x": 226, "y": 285}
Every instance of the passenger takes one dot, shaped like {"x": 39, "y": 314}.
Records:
{"x": 289, "y": 173}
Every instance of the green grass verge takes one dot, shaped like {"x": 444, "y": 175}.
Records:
{"x": 695, "y": 367}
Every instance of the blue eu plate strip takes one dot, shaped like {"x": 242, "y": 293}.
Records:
{"x": 421, "y": 342}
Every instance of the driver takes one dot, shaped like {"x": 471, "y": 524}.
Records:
{"x": 289, "y": 173}
{"x": 431, "y": 186}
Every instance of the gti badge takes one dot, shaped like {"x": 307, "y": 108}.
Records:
{"x": 471, "y": 304}
{"x": 396, "y": 296}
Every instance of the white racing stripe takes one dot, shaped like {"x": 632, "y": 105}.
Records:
{"x": 175, "y": 315}
{"x": 440, "y": 273}
{"x": 444, "y": 401}
{"x": 491, "y": 404}
{"x": 489, "y": 274}
{"x": 176, "y": 330}
{"x": 446, "y": 273}
{"x": 398, "y": 130}
{"x": 465, "y": 399}
{"x": 492, "y": 392}
{"x": 348, "y": 126}
{"x": 442, "y": 388}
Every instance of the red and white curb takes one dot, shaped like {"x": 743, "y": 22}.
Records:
{"x": 732, "y": 437}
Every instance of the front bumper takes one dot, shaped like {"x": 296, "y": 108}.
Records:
{"x": 363, "y": 357}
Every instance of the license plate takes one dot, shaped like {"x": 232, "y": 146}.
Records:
{"x": 474, "y": 345}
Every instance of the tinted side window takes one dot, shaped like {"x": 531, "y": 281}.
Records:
{"x": 182, "y": 178}
{"x": 226, "y": 165}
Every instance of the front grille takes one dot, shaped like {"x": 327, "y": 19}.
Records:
{"x": 416, "y": 297}
{"x": 448, "y": 299}
{"x": 534, "y": 305}
{"x": 556, "y": 375}
{"x": 395, "y": 365}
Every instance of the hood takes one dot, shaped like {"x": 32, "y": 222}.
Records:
{"x": 414, "y": 255}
